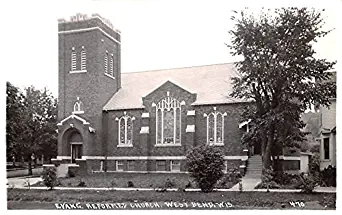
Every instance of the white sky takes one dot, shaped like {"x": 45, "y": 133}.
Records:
{"x": 155, "y": 34}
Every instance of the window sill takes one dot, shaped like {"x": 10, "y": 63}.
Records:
{"x": 112, "y": 77}
{"x": 78, "y": 71}
{"x": 168, "y": 144}
{"x": 131, "y": 145}
{"x": 78, "y": 112}
{"x": 216, "y": 144}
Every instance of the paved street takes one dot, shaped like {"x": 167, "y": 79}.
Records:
{"x": 24, "y": 172}
{"x": 22, "y": 182}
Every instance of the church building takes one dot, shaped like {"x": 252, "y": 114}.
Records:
{"x": 140, "y": 121}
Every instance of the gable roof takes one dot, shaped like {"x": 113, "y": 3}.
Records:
{"x": 212, "y": 83}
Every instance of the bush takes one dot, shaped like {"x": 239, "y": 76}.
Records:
{"x": 81, "y": 184}
{"x": 50, "y": 177}
{"x": 232, "y": 177}
{"x": 71, "y": 174}
{"x": 169, "y": 183}
{"x": 130, "y": 184}
{"x": 307, "y": 183}
{"x": 328, "y": 177}
{"x": 205, "y": 164}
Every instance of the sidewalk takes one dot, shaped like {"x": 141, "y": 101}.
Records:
{"x": 21, "y": 183}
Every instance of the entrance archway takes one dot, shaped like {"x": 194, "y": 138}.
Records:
{"x": 76, "y": 142}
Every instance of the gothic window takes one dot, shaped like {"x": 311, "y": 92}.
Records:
{"x": 83, "y": 59}
{"x": 215, "y": 127}
{"x": 111, "y": 66}
{"x": 78, "y": 106}
{"x": 73, "y": 59}
{"x": 106, "y": 62}
{"x": 168, "y": 121}
{"x": 125, "y": 130}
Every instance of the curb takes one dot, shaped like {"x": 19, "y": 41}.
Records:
{"x": 164, "y": 190}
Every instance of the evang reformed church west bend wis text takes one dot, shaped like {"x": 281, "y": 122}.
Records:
{"x": 141, "y": 121}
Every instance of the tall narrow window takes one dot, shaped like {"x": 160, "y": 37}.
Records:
{"x": 73, "y": 59}
{"x": 106, "y": 63}
{"x": 326, "y": 148}
{"x": 168, "y": 121}
{"x": 83, "y": 59}
{"x": 215, "y": 127}
{"x": 111, "y": 66}
{"x": 126, "y": 130}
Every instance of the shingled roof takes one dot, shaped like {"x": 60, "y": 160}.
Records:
{"x": 212, "y": 84}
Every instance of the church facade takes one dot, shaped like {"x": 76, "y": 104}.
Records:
{"x": 141, "y": 121}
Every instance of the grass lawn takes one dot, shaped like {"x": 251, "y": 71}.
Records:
{"x": 237, "y": 199}
{"x": 141, "y": 180}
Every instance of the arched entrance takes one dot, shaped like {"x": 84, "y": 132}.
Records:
{"x": 76, "y": 142}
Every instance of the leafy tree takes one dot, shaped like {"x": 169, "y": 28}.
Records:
{"x": 40, "y": 118}
{"x": 205, "y": 164}
{"x": 14, "y": 111}
{"x": 279, "y": 74}
{"x": 31, "y": 123}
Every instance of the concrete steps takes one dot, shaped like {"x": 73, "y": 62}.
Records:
{"x": 254, "y": 167}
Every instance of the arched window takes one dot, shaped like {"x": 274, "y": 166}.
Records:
{"x": 215, "y": 127}
{"x": 111, "y": 71}
{"x": 73, "y": 59}
{"x": 168, "y": 121}
{"x": 106, "y": 62}
{"x": 78, "y": 106}
{"x": 125, "y": 130}
{"x": 83, "y": 59}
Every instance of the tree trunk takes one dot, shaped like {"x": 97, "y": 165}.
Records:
{"x": 29, "y": 166}
{"x": 268, "y": 150}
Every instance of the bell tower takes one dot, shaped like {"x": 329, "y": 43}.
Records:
{"x": 89, "y": 75}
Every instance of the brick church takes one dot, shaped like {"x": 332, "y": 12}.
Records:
{"x": 140, "y": 121}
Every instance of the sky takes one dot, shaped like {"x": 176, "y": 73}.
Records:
{"x": 155, "y": 34}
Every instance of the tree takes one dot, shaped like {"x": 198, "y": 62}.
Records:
{"x": 14, "y": 111}
{"x": 40, "y": 120}
{"x": 279, "y": 74}
{"x": 31, "y": 123}
{"x": 205, "y": 164}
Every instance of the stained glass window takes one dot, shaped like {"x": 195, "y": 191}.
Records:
{"x": 215, "y": 127}
{"x": 168, "y": 121}
{"x": 211, "y": 128}
{"x": 126, "y": 130}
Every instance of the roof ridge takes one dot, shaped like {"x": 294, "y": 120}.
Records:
{"x": 158, "y": 70}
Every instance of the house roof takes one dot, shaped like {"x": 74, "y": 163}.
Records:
{"x": 211, "y": 83}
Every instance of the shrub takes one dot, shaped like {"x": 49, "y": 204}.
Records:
{"x": 306, "y": 183}
{"x": 71, "y": 174}
{"x": 232, "y": 177}
{"x": 81, "y": 184}
{"x": 130, "y": 184}
{"x": 50, "y": 177}
{"x": 169, "y": 183}
{"x": 328, "y": 176}
{"x": 205, "y": 164}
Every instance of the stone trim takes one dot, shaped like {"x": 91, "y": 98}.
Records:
{"x": 78, "y": 71}
{"x": 191, "y": 113}
{"x": 190, "y": 128}
{"x": 145, "y": 130}
{"x": 89, "y": 29}
{"x": 72, "y": 116}
{"x": 145, "y": 115}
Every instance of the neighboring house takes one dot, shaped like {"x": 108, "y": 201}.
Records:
{"x": 328, "y": 133}
{"x": 141, "y": 121}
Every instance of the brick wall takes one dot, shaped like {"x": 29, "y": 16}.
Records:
{"x": 93, "y": 87}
